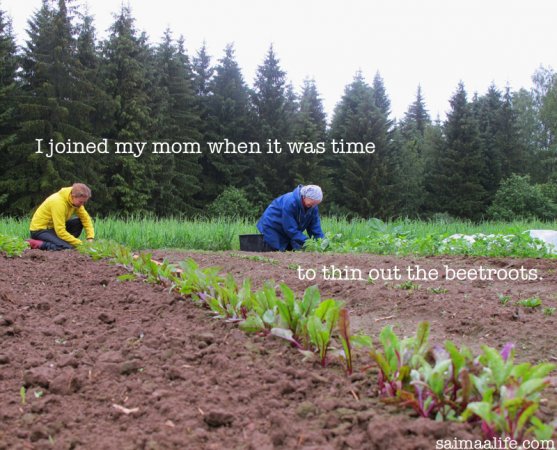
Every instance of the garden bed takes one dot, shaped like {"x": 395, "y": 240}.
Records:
{"x": 111, "y": 364}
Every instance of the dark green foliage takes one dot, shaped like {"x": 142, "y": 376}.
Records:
{"x": 364, "y": 181}
{"x": 202, "y": 72}
{"x": 517, "y": 198}
{"x": 417, "y": 118}
{"x": 126, "y": 72}
{"x": 229, "y": 117}
{"x": 311, "y": 127}
{"x": 176, "y": 120}
{"x": 457, "y": 183}
{"x": 50, "y": 106}
{"x": 273, "y": 105}
{"x": 487, "y": 111}
{"x": 64, "y": 85}
{"x": 410, "y": 159}
{"x": 513, "y": 151}
{"x": 547, "y": 105}
{"x": 233, "y": 203}
{"x": 8, "y": 92}
{"x": 7, "y": 54}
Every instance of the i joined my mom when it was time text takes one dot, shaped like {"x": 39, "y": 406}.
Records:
{"x": 136, "y": 149}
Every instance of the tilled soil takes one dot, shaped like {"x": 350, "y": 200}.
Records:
{"x": 107, "y": 364}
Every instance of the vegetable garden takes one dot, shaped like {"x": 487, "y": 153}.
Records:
{"x": 175, "y": 349}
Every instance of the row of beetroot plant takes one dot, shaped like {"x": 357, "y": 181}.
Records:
{"x": 447, "y": 383}
{"x": 438, "y": 382}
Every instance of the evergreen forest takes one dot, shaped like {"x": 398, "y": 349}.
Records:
{"x": 494, "y": 156}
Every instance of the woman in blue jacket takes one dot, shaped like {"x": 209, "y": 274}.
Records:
{"x": 287, "y": 217}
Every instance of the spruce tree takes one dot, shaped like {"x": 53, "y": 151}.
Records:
{"x": 273, "y": 102}
{"x": 358, "y": 179}
{"x": 487, "y": 111}
{"x": 417, "y": 115}
{"x": 8, "y": 68}
{"x": 177, "y": 121}
{"x": 311, "y": 128}
{"x": 203, "y": 72}
{"x": 50, "y": 107}
{"x": 381, "y": 98}
{"x": 529, "y": 132}
{"x": 410, "y": 161}
{"x": 202, "y": 75}
{"x": 8, "y": 98}
{"x": 546, "y": 83}
{"x": 457, "y": 185}
{"x": 434, "y": 151}
{"x": 87, "y": 60}
{"x": 269, "y": 98}
{"x": 388, "y": 154}
{"x": 514, "y": 154}
{"x": 125, "y": 74}
{"x": 232, "y": 119}
{"x": 7, "y": 54}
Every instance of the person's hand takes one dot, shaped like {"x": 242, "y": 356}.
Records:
{"x": 90, "y": 239}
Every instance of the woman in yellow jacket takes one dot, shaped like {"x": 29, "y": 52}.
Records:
{"x": 52, "y": 227}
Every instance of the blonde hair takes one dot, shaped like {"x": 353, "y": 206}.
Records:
{"x": 80, "y": 190}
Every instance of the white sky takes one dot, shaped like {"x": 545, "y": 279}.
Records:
{"x": 434, "y": 43}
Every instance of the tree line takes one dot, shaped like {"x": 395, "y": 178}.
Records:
{"x": 494, "y": 156}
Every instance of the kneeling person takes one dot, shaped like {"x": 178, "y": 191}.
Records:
{"x": 52, "y": 228}
{"x": 287, "y": 217}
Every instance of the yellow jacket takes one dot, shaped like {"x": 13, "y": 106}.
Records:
{"x": 55, "y": 211}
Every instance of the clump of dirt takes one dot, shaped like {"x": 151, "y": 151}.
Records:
{"x": 116, "y": 365}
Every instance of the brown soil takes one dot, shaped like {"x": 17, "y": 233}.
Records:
{"x": 127, "y": 365}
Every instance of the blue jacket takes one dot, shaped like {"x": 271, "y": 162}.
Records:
{"x": 283, "y": 222}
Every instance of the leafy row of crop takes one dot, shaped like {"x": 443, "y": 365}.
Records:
{"x": 444, "y": 383}
{"x": 12, "y": 246}
{"x": 401, "y": 242}
{"x": 402, "y": 237}
{"x": 438, "y": 382}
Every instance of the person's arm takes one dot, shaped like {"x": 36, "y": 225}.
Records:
{"x": 314, "y": 227}
{"x": 85, "y": 218}
{"x": 290, "y": 226}
{"x": 58, "y": 212}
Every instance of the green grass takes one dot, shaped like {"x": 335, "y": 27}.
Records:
{"x": 399, "y": 237}
{"x": 149, "y": 233}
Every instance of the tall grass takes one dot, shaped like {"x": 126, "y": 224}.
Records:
{"x": 151, "y": 233}
{"x": 222, "y": 234}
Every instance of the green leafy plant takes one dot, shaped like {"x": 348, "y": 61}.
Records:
{"x": 107, "y": 249}
{"x": 127, "y": 277}
{"x": 448, "y": 383}
{"x": 154, "y": 271}
{"x": 396, "y": 358}
{"x": 548, "y": 311}
{"x": 345, "y": 338}
{"x": 408, "y": 285}
{"x": 504, "y": 299}
{"x": 510, "y": 396}
{"x": 320, "y": 326}
{"x": 256, "y": 258}
{"x": 12, "y": 246}
{"x": 223, "y": 300}
{"x": 442, "y": 390}
{"x": 438, "y": 290}
{"x": 294, "y": 313}
{"x": 195, "y": 282}
{"x": 532, "y": 302}
{"x": 263, "y": 315}
{"x": 23, "y": 395}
